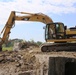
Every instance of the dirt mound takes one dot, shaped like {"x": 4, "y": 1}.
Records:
{"x": 17, "y": 63}
{"x": 24, "y": 45}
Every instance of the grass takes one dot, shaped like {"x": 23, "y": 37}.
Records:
{"x": 7, "y": 48}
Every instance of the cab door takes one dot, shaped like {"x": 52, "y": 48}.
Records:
{"x": 54, "y": 31}
{"x": 59, "y": 30}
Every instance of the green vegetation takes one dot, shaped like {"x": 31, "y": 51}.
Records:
{"x": 7, "y": 48}
{"x": 9, "y": 45}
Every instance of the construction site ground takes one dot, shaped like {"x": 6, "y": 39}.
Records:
{"x": 30, "y": 61}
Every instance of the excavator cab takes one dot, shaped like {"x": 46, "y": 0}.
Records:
{"x": 54, "y": 31}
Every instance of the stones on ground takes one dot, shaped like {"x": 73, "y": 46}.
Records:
{"x": 1, "y": 59}
{"x": 18, "y": 63}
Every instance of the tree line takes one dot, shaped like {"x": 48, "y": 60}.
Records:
{"x": 11, "y": 42}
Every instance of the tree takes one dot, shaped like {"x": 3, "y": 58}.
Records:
{"x": 39, "y": 43}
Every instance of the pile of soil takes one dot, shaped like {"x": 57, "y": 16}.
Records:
{"x": 20, "y": 62}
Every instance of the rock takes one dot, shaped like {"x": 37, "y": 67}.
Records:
{"x": 25, "y": 73}
{"x": 20, "y": 56}
{"x": 18, "y": 65}
{"x": 21, "y": 61}
{"x": 10, "y": 59}
{"x": 1, "y": 59}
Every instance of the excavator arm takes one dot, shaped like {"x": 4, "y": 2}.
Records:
{"x": 38, "y": 17}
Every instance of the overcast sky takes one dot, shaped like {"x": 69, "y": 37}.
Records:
{"x": 59, "y": 10}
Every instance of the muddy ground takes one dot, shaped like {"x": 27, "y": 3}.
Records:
{"x": 29, "y": 61}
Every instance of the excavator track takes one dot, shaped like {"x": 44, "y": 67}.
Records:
{"x": 49, "y": 47}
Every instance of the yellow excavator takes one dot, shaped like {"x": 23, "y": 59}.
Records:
{"x": 57, "y": 36}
